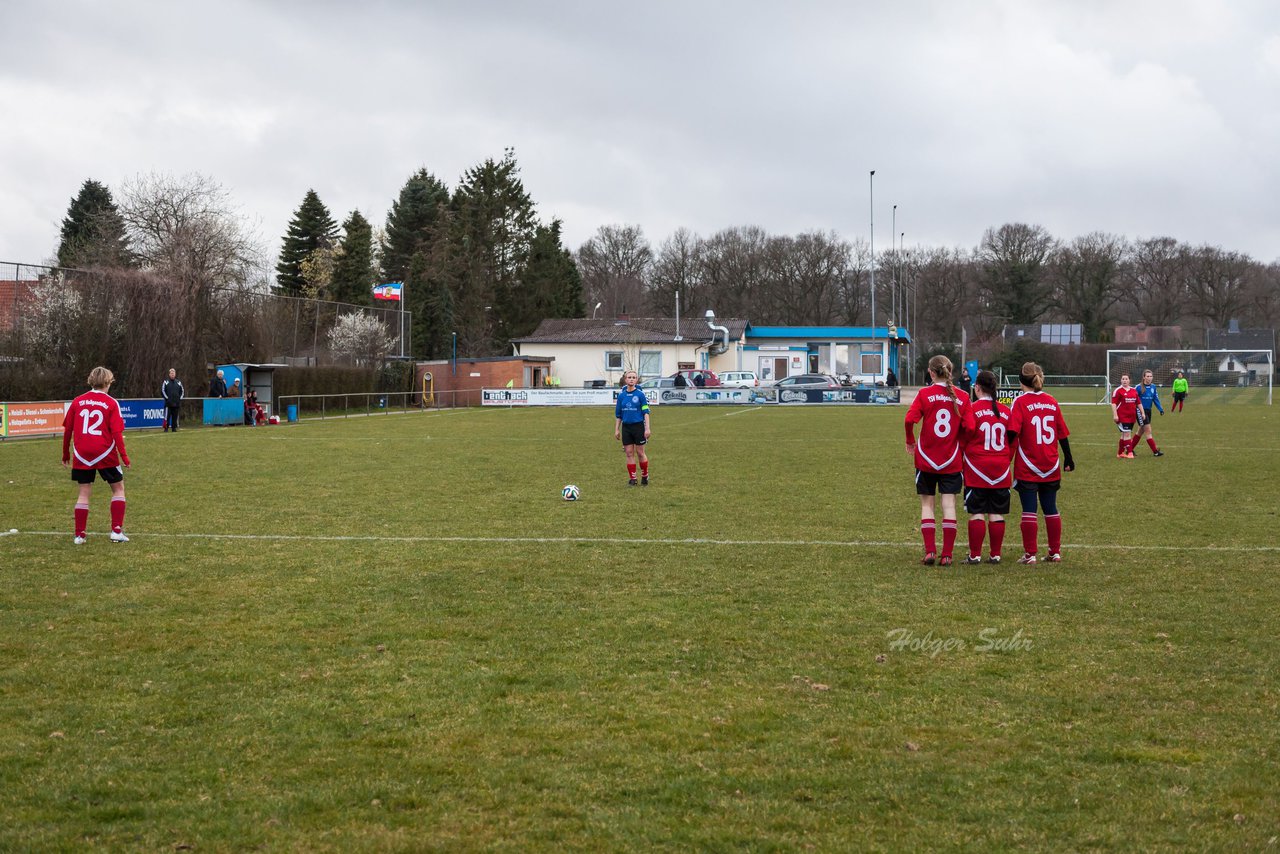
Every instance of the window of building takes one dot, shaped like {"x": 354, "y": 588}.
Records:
{"x": 650, "y": 363}
{"x": 613, "y": 360}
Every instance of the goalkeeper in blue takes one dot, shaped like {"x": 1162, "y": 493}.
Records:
{"x": 1148, "y": 397}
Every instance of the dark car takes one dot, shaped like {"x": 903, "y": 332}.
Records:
{"x": 808, "y": 381}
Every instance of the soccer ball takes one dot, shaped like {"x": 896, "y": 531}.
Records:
{"x": 570, "y": 493}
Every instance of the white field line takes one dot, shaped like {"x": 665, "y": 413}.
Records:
{"x": 610, "y": 541}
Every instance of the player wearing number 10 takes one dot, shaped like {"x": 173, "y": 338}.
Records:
{"x": 1036, "y": 428}
{"x": 93, "y": 444}
{"x": 943, "y": 415}
{"x": 988, "y": 470}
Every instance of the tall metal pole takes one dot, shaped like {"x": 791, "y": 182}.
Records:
{"x": 893, "y": 273}
{"x": 873, "y": 255}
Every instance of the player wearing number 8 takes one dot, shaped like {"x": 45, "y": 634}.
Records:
{"x": 1036, "y": 429}
{"x": 93, "y": 445}
{"x": 943, "y": 415}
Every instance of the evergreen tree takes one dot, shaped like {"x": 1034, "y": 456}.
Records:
{"x": 355, "y": 273}
{"x": 492, "y": 230}
{"x": 431, "y": 303}
{"x": 93, "y": 232}
{"x": 551, "y": 287}
{"x": 411, "y": 223}
{"x": 312, "y": 228}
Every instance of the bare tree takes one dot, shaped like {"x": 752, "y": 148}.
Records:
{"x": 803, "y": 279}
{"x": 614, "y": 264}
{"x": 1155, "y": 280}
{"x": 1012, "y": 259}
{"x": 733, "y": 270}
{"x": 945, "y": 286}
{"x": 1086, "y": 277}
{"x": 1216, "y": 281}
{"x": 676, "y": 270}
{"x": 188, "y": 229}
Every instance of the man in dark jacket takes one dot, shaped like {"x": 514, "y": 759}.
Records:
{"x": 172, "y": 392}
{"x": 218, "y": 388}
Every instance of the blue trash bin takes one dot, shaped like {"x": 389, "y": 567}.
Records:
{"x": 292, "y": 413}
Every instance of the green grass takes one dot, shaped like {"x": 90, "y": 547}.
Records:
{"x": 705, "y": 663}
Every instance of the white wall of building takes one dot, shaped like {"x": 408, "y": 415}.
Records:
{"x": 576, "y": 364}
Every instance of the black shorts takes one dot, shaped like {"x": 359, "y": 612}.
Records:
{"x": 112, "y": 474}
{"x": 928, "y": 482}
{"x": 982, "y": 499}
{"x": 633, "y": 433}
{"x": 1125, "y": 426}
{"x": 1179, "y": 396}
{"x": 1146, "y": 417}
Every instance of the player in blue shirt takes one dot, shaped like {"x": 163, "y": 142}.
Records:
{"x": 632, "y": 427}
{"x": 1149, "y": 396}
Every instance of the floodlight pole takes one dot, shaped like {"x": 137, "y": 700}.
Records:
{"x": 455, "y": 353}
{"x": 873, "y": 256}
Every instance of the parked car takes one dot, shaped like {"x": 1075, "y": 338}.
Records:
{"x": 659, "y": 382}
{"x": 739, "y": 379}
{"x": 808, "y": 381}
{"x": 709, "y": 378}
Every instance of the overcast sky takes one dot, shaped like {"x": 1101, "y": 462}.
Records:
{"x": 1143, "y": 118}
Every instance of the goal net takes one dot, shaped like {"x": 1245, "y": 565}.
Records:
{"x": 1213, "y": 376}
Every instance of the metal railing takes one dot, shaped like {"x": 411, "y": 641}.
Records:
{"x": 363, "y": 404}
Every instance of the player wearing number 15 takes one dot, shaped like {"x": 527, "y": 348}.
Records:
{"x": 1036, "y": 429}
{"x": 943, "y": 415}
{"x": 93, "y": 444}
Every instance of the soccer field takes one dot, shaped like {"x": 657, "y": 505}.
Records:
{"x": 389, "y": 633}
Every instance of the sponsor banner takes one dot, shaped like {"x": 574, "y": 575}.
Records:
{"x": 549, "y": 396}
{"x": 4, "y": 420}
{"x": 34, "y": 419}
{"x": 839, "y": 395}
{"x": 710, "y": 395}
{"x": 142, "y": 413}
{"x": 1008, "y": 395}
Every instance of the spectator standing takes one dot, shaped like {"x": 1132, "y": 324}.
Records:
{"x": 966, "y": 383}
{"x": 235, "y": 390}
{"x": 172, "y": 392}
{"x": 218, "y": 387}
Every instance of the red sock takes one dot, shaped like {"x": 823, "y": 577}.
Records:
{"x": 1152, "y": 442}
{"x": 631, "y": 470}
{"x": 1128, "y": 446}
{"x": 1030, "y": 531}
{"x": 1120, "y": 447}
{"x": 1053, "y": 529}
{"x": 997, "y": 536}
{"x": 644, "y": 467}
{"x": 117, "y": 514}
{"x": 977, "y": 533}
{"x": 82, "y": 519}
{"x": 927, "y": 532}
{"x": 948, "y": 536}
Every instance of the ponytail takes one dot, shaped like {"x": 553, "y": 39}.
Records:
{"x": 986, "y": 381}
{"x": 940, "y": 367}
{"x": 1032, "y": 376}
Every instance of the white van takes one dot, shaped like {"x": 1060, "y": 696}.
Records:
{"x": 738, "y": 379}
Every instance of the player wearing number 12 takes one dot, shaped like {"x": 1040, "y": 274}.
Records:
{"x": 1036, "y": 429}
{"x": 93, "y": 444}
{"x": 943, "y": 415}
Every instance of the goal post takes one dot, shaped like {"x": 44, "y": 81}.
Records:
{"x": 1213, "y": 376}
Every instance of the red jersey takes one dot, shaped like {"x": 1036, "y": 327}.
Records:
{"x": 1037, "y": 419}
{"x": 987, "y": 456}
{"x": 941, "y": 421}
{"x": 1126, "y": 402}
{"x": 93, "y": 424}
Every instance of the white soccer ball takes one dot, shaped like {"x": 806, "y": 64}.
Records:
{"x": 570, "y": 493}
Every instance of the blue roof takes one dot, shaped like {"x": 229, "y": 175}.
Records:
{"x": 823, "y": 333}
